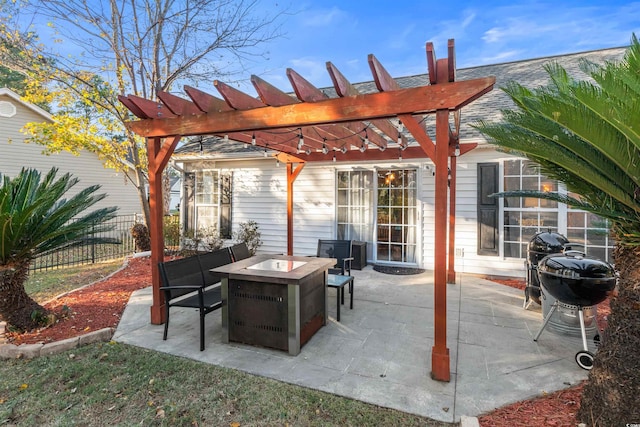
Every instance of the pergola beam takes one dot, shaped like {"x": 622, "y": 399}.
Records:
{"x": 419, "y": 100}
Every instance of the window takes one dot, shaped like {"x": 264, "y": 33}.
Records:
{"x": 213, "y": 201}
{"x": 354, "y": 205}
{"x": 591, "y": 231}
{"x": 524, "y": 217}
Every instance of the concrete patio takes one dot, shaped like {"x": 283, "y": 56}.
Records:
{"x": 380, "y": 352}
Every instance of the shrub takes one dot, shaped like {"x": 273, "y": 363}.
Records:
{"x": 140, "y": 234}
{"x": 249, "y": 234}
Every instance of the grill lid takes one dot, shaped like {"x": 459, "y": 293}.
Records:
{"x": 547, "y": 242}
{"x": 576, "y": 279}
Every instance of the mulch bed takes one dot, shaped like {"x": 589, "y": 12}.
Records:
{"x": 93, "y": 307}
{"x": 101, "y": 305}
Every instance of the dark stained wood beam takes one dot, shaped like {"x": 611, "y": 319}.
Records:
{"x": 451, "y": 63}
{"x": 205, "y": 102}
{"x": 178, "y": 106}
{"x": 369, "y": 155}
{"x": 431, "y": 63}
{"x": 152, "y": 109}
{"x": 133, "y": 108}
{"x": 385, "y": 82}
{"x": 345, "y": 88}
{"x": 353, "y": 134}
{"x": 236, "y": 98}
{"x": 419, "y": 100}
{"x": 271, "y": 95}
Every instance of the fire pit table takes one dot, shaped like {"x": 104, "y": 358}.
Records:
{"x": 274, "y": 301}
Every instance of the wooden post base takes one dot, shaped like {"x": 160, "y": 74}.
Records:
{"x": 158, "y": 314}
{"x": 440, "y": 364}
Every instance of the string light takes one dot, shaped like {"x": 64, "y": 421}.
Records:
{"x": 334, "y": 157}
{"x": 400, "y": 125}
{"x": 265, "y": 152}
{"x": 277, "y": 162}
{"x": 325, "y": 150}
{"x": 300, "y": 140}
{"x": 456, "y": 152}
{"x": 308, "y": 151}
{"x": 399, "y": 139}
{"x": 344, "y": 149}
{"x": 253, "y": 139}
{"x": 226, "y": 138}
{"x": 365, "y": 142}
{"x": 400, "y": 155}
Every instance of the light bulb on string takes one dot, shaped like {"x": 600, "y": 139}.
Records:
{"x": 253, "y": 139}
{"x": 334, "y": 157}
{"x": 300, "y": 140}
{"x": 456, "y": 152}
{"x": 344, "y": 149}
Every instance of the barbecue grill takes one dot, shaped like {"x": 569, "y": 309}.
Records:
{"x": 542, "y": 244}
{"x": 577, "y": 282}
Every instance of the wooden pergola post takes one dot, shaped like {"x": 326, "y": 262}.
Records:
{"x": 451, "y": 270}
{"x": 292, "y": 174}
{"x": 440, "y": 361}
{"x": 158, "y": 155}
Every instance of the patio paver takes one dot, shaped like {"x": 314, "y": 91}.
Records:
{"x": 380, "y": 352}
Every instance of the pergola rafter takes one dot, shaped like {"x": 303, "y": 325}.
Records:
{"x": 352, "y": 127}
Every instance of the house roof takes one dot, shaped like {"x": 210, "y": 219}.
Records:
{"x": 11, "y": 94}
{"x": 529, "y": 73}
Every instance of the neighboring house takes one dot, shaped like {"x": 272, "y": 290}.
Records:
{"x": 390, "y": 205}
{"x": 15, "y": 154}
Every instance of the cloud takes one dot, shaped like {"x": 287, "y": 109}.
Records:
{"x": 323, "y": 17}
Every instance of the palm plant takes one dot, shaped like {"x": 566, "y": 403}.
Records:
{"x": 35, "y": 219}
{"x": 587, "y": 135}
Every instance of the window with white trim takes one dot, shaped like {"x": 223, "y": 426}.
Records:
{"x": 207, "y": 198}
{"x": 524, "y": 217}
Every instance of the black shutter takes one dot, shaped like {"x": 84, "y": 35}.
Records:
{"x": 488, "y": 209}
{"x": 225, "y": 205}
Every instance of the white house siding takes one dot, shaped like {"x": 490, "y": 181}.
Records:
{"x": 15, "y": 154}
{"x": 260, "y": 194}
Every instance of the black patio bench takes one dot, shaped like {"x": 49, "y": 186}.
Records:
{"x": 187, "y": 282}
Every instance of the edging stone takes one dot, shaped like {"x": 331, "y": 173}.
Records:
{"x": 30, "y": 351}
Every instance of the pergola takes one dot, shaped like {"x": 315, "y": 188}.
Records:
{"x": 350, "y": 127}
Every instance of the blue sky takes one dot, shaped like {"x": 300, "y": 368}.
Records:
{"x": 487, "y": 32}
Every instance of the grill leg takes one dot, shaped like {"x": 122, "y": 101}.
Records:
{"x": 546, "y": 319}
{"x": 582, "y": 329}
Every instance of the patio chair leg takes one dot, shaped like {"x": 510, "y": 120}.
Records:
{"x": 201, "y": 331}
{"x": 166, "y": 321}
{"x": 351, "y": 294}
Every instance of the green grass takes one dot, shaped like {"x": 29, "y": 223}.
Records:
{"x": 45, "y": 285}
{"x": 116, "y": 384}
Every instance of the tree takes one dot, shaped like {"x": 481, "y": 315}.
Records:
{"x": 36, "y": 219}
{"x": 585, "y": 134}
{"x": 134, "y": 47}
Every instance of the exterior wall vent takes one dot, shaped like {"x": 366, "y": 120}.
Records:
{"x": 7, "y": 109}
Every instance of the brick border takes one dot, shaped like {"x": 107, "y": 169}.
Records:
{"x": 31, "y": 351}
